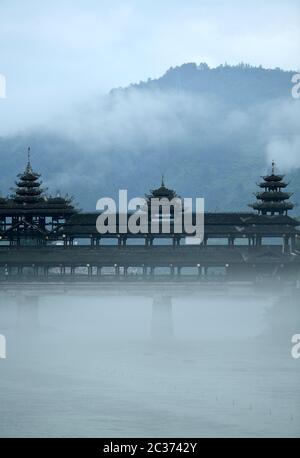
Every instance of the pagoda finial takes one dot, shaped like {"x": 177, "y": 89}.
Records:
{"x": 273, "y": 167}
{"x": 28, "y": 158}
{"x": 163, "y": 181}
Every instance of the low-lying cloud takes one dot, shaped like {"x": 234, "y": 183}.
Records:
{"x": 203, "y": 143}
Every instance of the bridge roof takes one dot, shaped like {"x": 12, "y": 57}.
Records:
{"x": 84, "y": 224}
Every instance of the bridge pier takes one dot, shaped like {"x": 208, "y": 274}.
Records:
{"x": 27, "y": 312}
{"x": 162, "y": 319}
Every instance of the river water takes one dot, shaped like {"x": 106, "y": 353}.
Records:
{"x": 90, "y": 368}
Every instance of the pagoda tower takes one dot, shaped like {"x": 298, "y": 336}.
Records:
{"x": 161, "y": 193}
{"x": 162, "y": 210}
{"x": 273, "y": 199}
{"x": 33, "y": 214}
{"x": 28, "y": 191}
{"x": 3, "y": 206}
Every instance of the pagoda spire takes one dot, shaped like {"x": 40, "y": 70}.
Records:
{"x": 28, "y": 156}
{"x": 28, "y": 167}
{"x": 273, "y": 167}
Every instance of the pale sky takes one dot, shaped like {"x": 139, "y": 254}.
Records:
{"x": 57, "y": 53}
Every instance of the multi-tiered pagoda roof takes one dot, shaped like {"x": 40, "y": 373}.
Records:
{"x": 167, "y": 195}
{"x": 29, "y": 198}
{"x": 273, "y": 200}
{"x": 161, "y": 192}
{"x": 28, "y": 191}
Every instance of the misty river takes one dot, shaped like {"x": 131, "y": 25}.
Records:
{"x": 89, "y": 367}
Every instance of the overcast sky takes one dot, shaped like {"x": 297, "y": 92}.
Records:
{"x": 56, "y": 53}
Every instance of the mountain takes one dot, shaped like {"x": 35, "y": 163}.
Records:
{"x": 211, "y": 131}
{"x": 238, "y": 85}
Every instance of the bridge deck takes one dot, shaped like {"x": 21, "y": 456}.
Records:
{"x": 189, "y": 256}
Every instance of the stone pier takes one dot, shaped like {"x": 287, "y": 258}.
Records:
{"x": 27, "y": 312}
{"x": 162, "y": 319}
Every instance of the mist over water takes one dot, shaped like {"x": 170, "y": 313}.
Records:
{"x": 91, "y": 366}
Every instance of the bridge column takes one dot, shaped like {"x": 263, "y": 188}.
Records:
{"x": 199, "y": 270}
{"x": 286, "y": 244}
{"x": 231, "y": 241}
{"x": 149, "y": 241}
{"x": 90, "y": 271}
{"x": 27, "y": 312}
{"x": 293, "y": 242}
{"x": 162, "y": 320}
{"x": 62, "y": 270}
{"x": 99, "y": 271}
{"x": 117, "y": 270}
{"x": 176, "y": 241}
{"x": 251, "y": 242}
